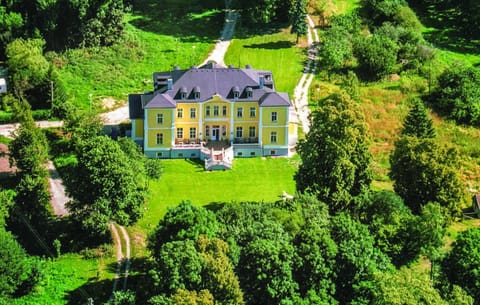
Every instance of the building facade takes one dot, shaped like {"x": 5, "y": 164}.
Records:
{"x": 192, "y": 112}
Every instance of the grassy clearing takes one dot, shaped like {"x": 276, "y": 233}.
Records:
{"x": 255, "y": 179}
{"x": 275, "y": 51}
{"x": 158, "y": 36}
{"x": 345, "y": 6}
{"x": 71, "y": 279}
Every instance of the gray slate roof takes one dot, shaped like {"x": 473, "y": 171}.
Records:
{"x": 200, "y": 84}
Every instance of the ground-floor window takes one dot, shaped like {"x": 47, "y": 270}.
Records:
{"x": 273, "y": 152}
{"x": 193, "y": 132}
{"x": 159, "y": 154}
{"x": 224, "y": 130}
{"x": 251, "y": 131}
{"x": 239, "y": 132}
{"x": 207, "y": 131}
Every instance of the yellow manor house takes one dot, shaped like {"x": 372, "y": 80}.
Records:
{"x": 214, "y": 113}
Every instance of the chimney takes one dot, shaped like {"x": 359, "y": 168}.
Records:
{"x": 169, "y": 84}
{"x": 261, "y": 81}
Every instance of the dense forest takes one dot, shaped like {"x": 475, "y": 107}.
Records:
{"x": 338, "y": 241}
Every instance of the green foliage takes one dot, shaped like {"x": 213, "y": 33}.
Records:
{"x": 389, "y": 220}
{"x": 178, "y": 266}
{"x": 357, "y": 258}
{"x": 218, "y": 275}
{"x": 423, "y": 171}
{"x": 462, "y": 264}
{"x": 336, "y": 49}
{"x": 182, "y": 222}
{"x": 430, "y": 230}
{"x": 405, "y": 287}
{"x": 122, "y": 298}
{"x": 317, "y": 253}
{"x": 335, "y": 157}
{"x": 196, "y": 266}
{"x": 417, "y": 123}
{"x": 458, "y": 94}
{"x": 379, "y": 11}
{"x": 6, "y": 202}
{"x": 104, "y": 186}
{"x": 377, "y": 55}
{"x": 18, "y": 272}
{"x": 263, "y": 11}
{"x": 298, "y": 15}
{"x": 265, "y": 271}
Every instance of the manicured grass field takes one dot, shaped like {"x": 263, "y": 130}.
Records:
{"x": 276, "y": 52}
{"x": 252, "y": 179}
{"x": 159, "y": 35}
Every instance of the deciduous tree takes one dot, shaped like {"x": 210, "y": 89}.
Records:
{"x": 298, "y": 21}
{"x": 462, "y": 264}
{"x": 423, "y": 171}
{"x": 104, "y": 186}
{"x": 335, "y": 158}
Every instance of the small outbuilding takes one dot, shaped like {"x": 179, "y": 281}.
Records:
{"x": 476, "y": 204}
{"x": 3, "y": 85}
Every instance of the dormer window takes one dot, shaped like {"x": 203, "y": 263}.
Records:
{"x": 236, "y": 92}
{"x": 183, "y": 93}
{"x": 249, "y": 92}
{"x": 196, "y": 92}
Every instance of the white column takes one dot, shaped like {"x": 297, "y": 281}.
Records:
{"x": 200, "y": 121}
{"x": 260, "y": 125}
{"x": 173, "y": 127}
{"x": 286, "y": 128}
{"x": 232, "y": 112}
{"x": 145, "y": 129}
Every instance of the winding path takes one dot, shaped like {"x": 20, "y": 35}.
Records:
{"x": 123, "y": 260}
{"x": 300, "y": 94}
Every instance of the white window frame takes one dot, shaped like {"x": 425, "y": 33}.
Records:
{"x": 159, "y": 138}
{"x": 240, "y": 112}
{"x": 239, "y": 132}
{"x": 180, "y": 133}
{"x": 193, "y": 132}
{"x": 253, "y": 112}
{"x": 274, "y": 116}
{"x": 159, "y": 118}
{"x": 273, "y": 137}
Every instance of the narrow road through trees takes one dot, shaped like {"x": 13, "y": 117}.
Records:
{"x": 121, "y": 243}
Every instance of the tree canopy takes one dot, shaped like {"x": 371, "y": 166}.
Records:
{"x": 104, "y": 186}
{"x": 458, "y": 94}
{"x": 423, "y": 171}
{"x": 335, "y": 158}
{"x": 417, "y": 123}
{"x": 462, "y": 264}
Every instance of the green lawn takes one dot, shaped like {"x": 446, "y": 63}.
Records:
{"x": 158, "y": 36}
{"x": 276, "y": 52}
{"x": 252, "y": 179}
{"x": 345, "y": 6}
{"x": 71, "y": 279}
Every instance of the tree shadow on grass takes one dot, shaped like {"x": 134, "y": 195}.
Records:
{"x": 100, "y": 290}
{"x": 271, "y": 45}
{"x": 446, "y": 31}
{"x": 190, "y": 21}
